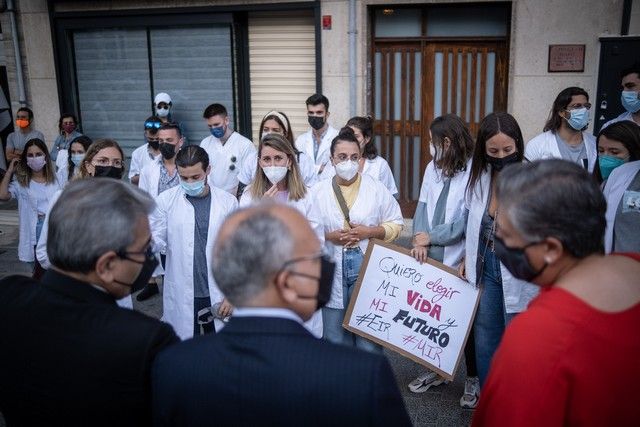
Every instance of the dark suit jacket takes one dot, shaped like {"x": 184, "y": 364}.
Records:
{"x": 271, "y": 371}
{"x": 70, "y": 356}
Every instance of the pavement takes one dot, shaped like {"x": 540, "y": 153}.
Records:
{"x": 438, "y": 406}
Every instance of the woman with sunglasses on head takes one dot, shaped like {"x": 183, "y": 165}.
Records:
{"x": 564, "y": 135}
{"x": 277, "y": 122}
{"x": 499, "y": 143}
{"x": 77, "y": 151}
{"x": 103, "y": 159}
{"x": 34, "y": 186}
{"x": 147, "y": 152}
{"x": 278, "y": 178}
{"x": 67, "y": 132}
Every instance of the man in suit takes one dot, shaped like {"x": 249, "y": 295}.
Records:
{"x": 264, "y": 368}
{"x": 69, "y": 355}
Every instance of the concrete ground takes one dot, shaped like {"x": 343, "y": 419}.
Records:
{"x": 438, "y": 406}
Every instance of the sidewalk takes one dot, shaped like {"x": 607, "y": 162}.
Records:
{"x": 437, "y": 407}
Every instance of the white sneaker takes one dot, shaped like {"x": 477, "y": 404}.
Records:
{"x": 471, "y": 394}
{"x": 425, "y": 381}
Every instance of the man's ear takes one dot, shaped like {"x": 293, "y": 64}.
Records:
{"x": 105, "y": 267}
{"x": 281, "y": 282}
{"x": 555, "y": 250}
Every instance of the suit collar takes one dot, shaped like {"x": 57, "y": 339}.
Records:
{"x": 76, "y": 289}
{"x": 264, "y": 325}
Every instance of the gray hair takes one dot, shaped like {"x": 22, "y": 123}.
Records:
{"x": 94, "y": 216}
{"x": 246, "y": 260}
{"x": 554, "y": 198}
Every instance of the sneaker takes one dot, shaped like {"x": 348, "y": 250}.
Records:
{"x": 425, "y": 381}
{"x": 149, "y": 290}
{"x": 471, "y": 394}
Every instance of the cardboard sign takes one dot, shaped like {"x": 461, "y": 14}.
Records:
{"x": 422, "y": 311}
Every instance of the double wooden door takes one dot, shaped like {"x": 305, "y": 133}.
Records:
{"x": 416, "y": 81}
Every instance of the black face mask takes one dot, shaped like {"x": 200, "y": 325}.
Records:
{"x": 516, "y": 261}
{"x": 148, "y": 266}
{"x": 498, "y": 163}
{"x": 316, "y": 122}
{"x": 168, "y": 151}
{"x": 325, "y": 281}
{"x": 153, "y": 143}
{"x": 107, "y": 172}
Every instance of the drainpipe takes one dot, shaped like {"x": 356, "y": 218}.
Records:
{"x": 22, "y": 97}
{"x": 352, "y": 57}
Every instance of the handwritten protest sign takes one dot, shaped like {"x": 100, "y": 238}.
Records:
{"x": 422, "y": 311}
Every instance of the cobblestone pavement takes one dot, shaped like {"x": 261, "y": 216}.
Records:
{"x": 438, "y": 406}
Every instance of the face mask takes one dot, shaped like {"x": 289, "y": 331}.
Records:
{"x": 498, "y": 163}
{"x": 630, "y": 100}
{"x": 516, "y": 261}
{"x": 153, "y": 143}
{"x": 218, "y": 132}
{"x": 579, "y": 118}
{"x": 162, "y": 112}
{"x": 316, "y": 122}
{"x": 347, "y": 169}
{"x": 168, "y": 151}
{"x": 608, "y": 164}
{"x": 22, "y": 123}
{"x": 148, "y": 266}
{"x": 325, "y": 281}
{"x": 36, "y": 163}
{"x": 107, "y": 172}
{"x": 69, "y": 128}
{"x": 77, "y": 159}
{"x": 275, "y": 174}
{"x": 193, "y": 189}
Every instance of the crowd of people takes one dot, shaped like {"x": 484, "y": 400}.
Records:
{"x": 258, "y": 247}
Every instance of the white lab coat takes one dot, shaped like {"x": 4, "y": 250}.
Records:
{"x": 614, "y": 189}
{"x": 150, "y": 177}
{"x": 621, "y": 118}
{"x": 139, "y": 159}
{"x": 304, "y": 143}
{"x": 517, "y": 293}
{"x": 373, "y": 206}
{"x": 43, "y": 257}
{"x": 313, "y": 325}
{"x": 545, "y": 146}
{"x": 305, "y": 164}
{"x": 172, "y": 227}
{"x": 377, "y": 168}
{"x": 225, "y": 171}
{"x": 432, "y": 185}
{"x": 28, "y": 216}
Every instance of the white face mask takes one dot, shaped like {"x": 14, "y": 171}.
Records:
{"x": 162, "y": 112}
{"x": 275, "y": 174}
{"x": 347, "y": 169}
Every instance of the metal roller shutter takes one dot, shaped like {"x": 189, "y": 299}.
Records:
{"x": 282, "y": 65}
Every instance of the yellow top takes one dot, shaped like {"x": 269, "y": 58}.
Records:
{"x": 350, "y": 193}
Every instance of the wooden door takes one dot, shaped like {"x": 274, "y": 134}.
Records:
{"x": 414, "y": 82}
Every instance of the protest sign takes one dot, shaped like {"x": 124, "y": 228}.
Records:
{"x": 422, "y": 311}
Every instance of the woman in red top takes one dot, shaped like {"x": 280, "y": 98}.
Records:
{"x": 573, "y": 358}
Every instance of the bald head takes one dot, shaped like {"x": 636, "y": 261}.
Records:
{"x": 252, "y": 246}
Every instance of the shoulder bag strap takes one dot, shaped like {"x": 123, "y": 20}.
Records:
{"x": 341, "y": 201}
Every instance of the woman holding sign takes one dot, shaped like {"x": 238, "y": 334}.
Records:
{"x": 572, "y": 357}
{"x": 440, "y": 223}
{"x": 353, "y": 208}
{"x": 499, "y": 143}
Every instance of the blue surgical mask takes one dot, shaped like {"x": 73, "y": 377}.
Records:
{"x": 77, "y": 159}
{"x": 218, "y": 132}
{"x": 193, "y": 189}
{"x": 579, "y": 118}
{"x": 630, "y": 100}
{"x": 608, "y": 164}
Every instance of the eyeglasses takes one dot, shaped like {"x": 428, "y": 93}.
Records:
{"x": 586, "y": 105}
{"x": 152, "y": 125}
{"x": 321, "y": 255}
{"x": 342, "y": 157}
{"x": 104, "y": 161}
{"x": 148, "y": 253}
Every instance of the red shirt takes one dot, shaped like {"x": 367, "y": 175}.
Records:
{"x": 562, "y": 362}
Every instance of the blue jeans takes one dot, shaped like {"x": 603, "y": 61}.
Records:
{"x": 332, "y": 317}
{"x": 491, "y": 317}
